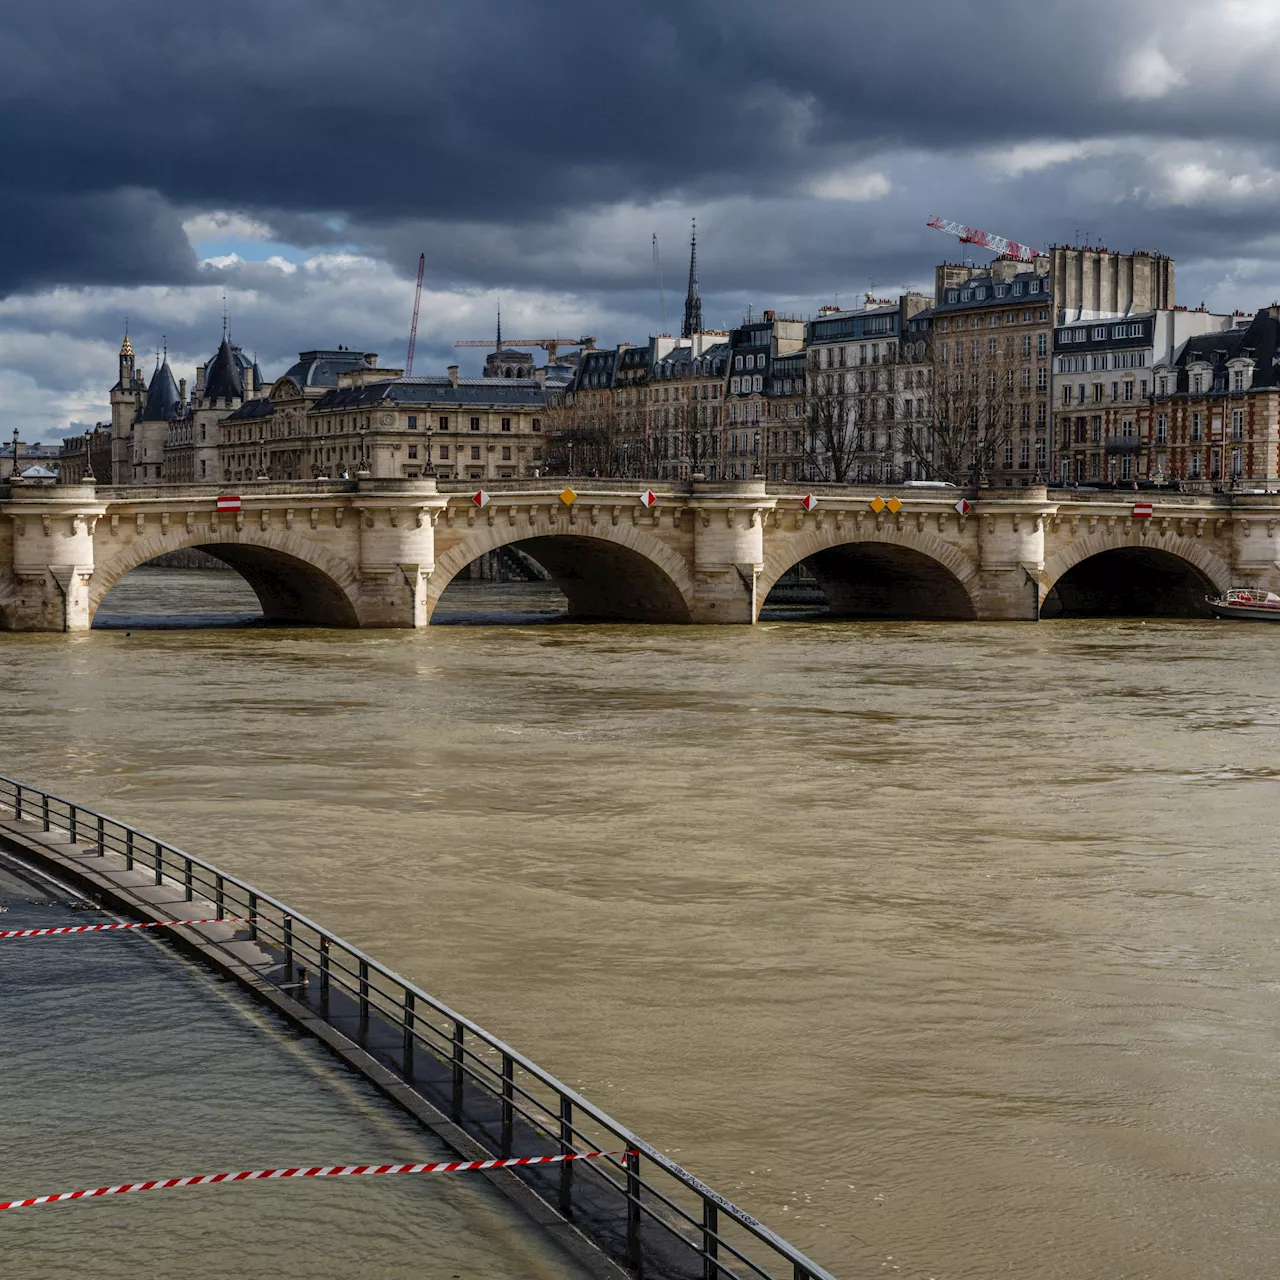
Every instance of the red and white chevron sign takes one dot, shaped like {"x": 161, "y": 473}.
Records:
{"x": 229, "y": 502}
{"x": 480, "y": 498}
{"x": 963, "y": 507}
{"x": 648, "y": 498}
{"x": 317, "y": 1171}
{"x": 808, "y": 502}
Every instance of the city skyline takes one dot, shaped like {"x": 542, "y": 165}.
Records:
{"x": 810, "y": 146}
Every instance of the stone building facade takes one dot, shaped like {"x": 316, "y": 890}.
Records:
{"x": 1103, "y": 380}
{"x": 992, "y": 330}
{"x": 1213, "y": 422}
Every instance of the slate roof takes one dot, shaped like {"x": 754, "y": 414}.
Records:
{"x": 1259, "y": 341}
{"x": 162, "y": 397}
{"x": 224, "y": 378}
{"x": 523, "y": 392}
{"x": 321, "y": 368}
{"x": 251, "y": 410}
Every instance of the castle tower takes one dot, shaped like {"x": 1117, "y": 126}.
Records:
{"x": 126, "y": 403}
{"x": 692, "y": 299}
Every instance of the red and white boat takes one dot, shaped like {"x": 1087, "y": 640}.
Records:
{"x": 1246, "y": 606}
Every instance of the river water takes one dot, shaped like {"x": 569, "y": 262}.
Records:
{"x": 948, "y": 950}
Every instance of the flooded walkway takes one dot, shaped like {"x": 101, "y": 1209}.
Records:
{"x": 124, "y": 1060}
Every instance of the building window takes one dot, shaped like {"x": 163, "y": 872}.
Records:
{"x": 1128, "y": 390}
{"x": 475, "y": 424}
{"x": 1237, "y": 464}
{"x": 475, "y": 453}
{"x": 1197, "y": 383}
{"x": 413, "y": 451}
{"x": 1096, "y": 428}
{"x": 413, "y": 422}
{"x": 506, "y": 453}
{"x": 1162, "y": 429}
{"x": 1197, "y": 426}
{"x": 1024, "y": 454}
{"x": 1237, "y": 424}
{"x": 506, "y": 424}
{"x": 1042, "y": 379}
{"x": 1195, "y": 466}
{"x": 444, "y": 453}
{"x": 444, "y": 424}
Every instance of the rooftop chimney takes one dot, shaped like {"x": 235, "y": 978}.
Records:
{"x": 453, "y": 374}
{"x": 371, "y": 359}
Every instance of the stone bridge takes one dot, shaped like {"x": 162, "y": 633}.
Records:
{"x": 379, "y": 553}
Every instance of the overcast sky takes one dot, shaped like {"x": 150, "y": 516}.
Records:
{"x": 299, "y": 154}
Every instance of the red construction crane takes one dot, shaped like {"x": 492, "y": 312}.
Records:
{"x": 413, "y": 327}
{"x": 549, "y": 345}
{"x": 997, "y": 244}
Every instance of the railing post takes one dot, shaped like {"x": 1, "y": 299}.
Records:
{"x": 710, "y": 1245}
{"x": 364, "y": 993}
{"x": 102, "y": 848}
{"x": 632, "y": 1162}
{"x": 219, "y": 892}
{"x": 286, "y": 925}
{"x": 457, "y": 1069}
{"x": 407, "y": 1064}
{"x": 128, "y": 848}
{"x": 159, "y": 862}
{"x": 566, "y": 1146}
{"x": 253, "y": 917}
{"x": 188, "y": 878}
{"x": 17, "y": 801}
{"x": 801, "y": 1273}
{"x": 71, "y": 822}
{"x": 508, "y": 1097}
{"x": 324, "y": 974}
{"x": 44, "y": 810}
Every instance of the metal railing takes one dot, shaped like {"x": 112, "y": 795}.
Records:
{"x": 642, "y": 1209}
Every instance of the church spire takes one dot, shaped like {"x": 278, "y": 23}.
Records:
{"x": 692, "y": 299}
{"x": 498, "y": 345}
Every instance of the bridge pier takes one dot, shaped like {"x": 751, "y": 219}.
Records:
{"x": 1011, "y": 540}
{"x": 728, "y": 549}
{"x": 52, "y": 527}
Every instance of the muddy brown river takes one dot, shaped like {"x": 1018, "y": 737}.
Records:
{"x": 948, "y": 950}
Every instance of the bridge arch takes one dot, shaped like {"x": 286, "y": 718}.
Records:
{"x": 295, "y": 580}
{"x": 606, "y": 571}
{"x": 883, "y": 572}
{"x": 1163, "y": 574}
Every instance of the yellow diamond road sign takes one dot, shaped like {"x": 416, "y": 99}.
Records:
{"x": 568, "y": 497}
{"x": 877, "y": 505}
{"x": 894, "y": 505}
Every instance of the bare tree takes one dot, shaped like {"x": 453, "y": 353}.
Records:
{"x": 831, "y": 440}
{"x": 588, "y": 433}
{"x": 956, "y": 426}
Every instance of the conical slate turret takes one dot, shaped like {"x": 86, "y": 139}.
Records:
{"x": 162, "y": 396}
{"x": 223, "y": 381}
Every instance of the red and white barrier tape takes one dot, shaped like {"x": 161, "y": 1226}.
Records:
{"x": 319, "y": 1171}
{"x": 102, "y": 928}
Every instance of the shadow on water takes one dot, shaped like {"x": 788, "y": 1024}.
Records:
{"x": 156, "y": 599}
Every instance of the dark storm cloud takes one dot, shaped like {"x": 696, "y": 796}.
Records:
{"x": 349, "y": 120}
